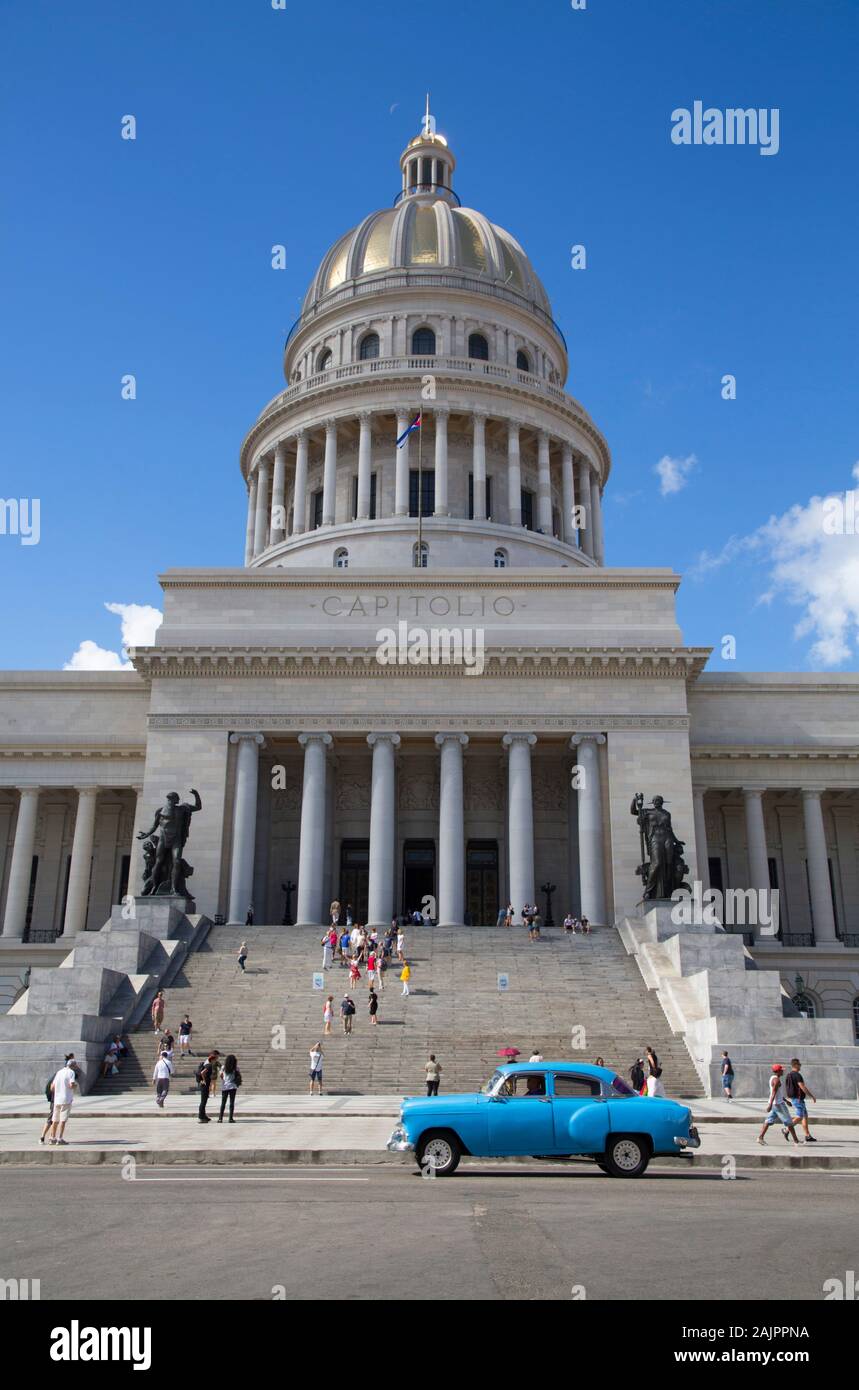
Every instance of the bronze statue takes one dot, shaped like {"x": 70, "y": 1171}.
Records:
{"x": 165, "y": 870}
{"x": 662, "y": 869}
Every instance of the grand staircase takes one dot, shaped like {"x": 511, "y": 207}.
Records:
{"x": 271, "y": 1016}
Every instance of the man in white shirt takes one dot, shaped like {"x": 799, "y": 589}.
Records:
{"x": 65, "y": 1085}
{"x": 536, "y": 1055}
{"x": 161, "y": 1076}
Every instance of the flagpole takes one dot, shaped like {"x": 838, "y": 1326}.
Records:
{"x": 420, "y": 488}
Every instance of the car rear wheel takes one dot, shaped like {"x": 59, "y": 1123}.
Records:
{"x": 626, "y": 1156}
{"x": 439, "y": 1151}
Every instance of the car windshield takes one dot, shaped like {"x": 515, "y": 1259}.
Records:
{"x": 620, "y": 1088}
{"x": 489, "y": 1086}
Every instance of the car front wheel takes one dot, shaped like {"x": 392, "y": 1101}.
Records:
{"x": 626, "y": 1156}
{"x": 439, "y": 1153}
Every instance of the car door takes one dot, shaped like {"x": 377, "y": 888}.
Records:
{"x": 520, "y": 1116}
{"x": 579, "y": 1115}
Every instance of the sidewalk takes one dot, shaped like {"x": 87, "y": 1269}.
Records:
{"x": 349, "y": 1130}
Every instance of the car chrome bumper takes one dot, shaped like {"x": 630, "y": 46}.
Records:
{"x": 693, "y": 1142}
{"x": 399, "y": 1142}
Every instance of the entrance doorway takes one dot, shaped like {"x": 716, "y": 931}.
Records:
{"x": 418, "y": 873}
{"x": 354, "y": 878}
{"x": 481, "y": 882}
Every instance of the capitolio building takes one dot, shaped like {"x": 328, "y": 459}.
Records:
{"x": 424, "y": 687}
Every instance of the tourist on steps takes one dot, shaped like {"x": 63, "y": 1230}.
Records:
{"x": 242, "y": 956}
{"x": 405, "y": 976}
{"x": 231, "y": 1080}
{"x": 727, "y": 1076}
{"x": 157, "y": 1011}
{"x": 328, "y": 1014}
{"x": 204, "y": 1076}
{"x": 433, "y": 1074}
{"x": 185, "y": 1029}
{"x": 373, "y": 1006}
{"x": 316, "y": 1067}
{"x": 347, "y": 1012}
{"x": 161, "y": 1077}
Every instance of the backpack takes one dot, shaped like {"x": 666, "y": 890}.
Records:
{"x": 198, "y": 1073}
{"x": 791, "y": 1086}
{"x": 49, "y": 1091}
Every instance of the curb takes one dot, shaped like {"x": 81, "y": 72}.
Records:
{"x": 315, "y": 1158}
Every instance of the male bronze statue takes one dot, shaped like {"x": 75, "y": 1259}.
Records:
{"x": 165, "y": 868}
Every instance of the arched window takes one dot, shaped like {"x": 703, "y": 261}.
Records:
{"x": 420, "y": 555}
{"x": 423, "y": 343}
{"x": 369, "y": 347}
{"x": 478, "y": 347}
{"x": 323, "y": 361}
{"x": 856, "y": 1018}
{"x": 500, "y": 559}
{"x": 805, "y": 1004}
{"x": 341, "y": 559}
{"x": 523, "y": 361}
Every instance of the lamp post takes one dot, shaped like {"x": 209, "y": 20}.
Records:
{"x": 548, "y": 889}
{"x": 289, "y": 889}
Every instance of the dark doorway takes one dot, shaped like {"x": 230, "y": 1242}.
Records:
{"x": 481, "y": 882}
{"x": 418, "y": 873}
{"x": 354, "y": 878}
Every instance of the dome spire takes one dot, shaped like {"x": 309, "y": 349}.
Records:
{"x": 426, "y": 163}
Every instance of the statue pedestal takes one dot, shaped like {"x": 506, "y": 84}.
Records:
{"x": 656, "y": 913}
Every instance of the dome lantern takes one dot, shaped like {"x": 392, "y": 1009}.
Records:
{"x": 426, "y": 164}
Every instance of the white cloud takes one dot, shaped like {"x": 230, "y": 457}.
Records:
{"x": 811, "y": 562}
{"x": 140, "y": 622}
{"x": 673, "y": 474}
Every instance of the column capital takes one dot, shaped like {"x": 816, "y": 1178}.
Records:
{"x": 30, "y": 791}
{"x": 404, "y": 410}
{"x": 480, "y": 413}
{"x": 366, "y": 416}
{"x": 299, "y": 434}
{"x": 578, "y": 739}
{"x": 280, "y": 448}
{"x": 325, "y": 739}
{"x": 393, "y": 739}
{"x": 247, "y": 734}
{"x": 441, "y": 412}
{"x": 457, "y": 738}
{"x": 88, "y": 791}
{"x": 699, "y": 791}
{"x": 543, "y": 436}
{"x": 812, "y": 793}
{"x": 509, "y": 739}
{"x": 513, "y": 428}
{"x": 330, "y": 423}
{"x": 754, "y": 788}
{"x": 568, "y": 450}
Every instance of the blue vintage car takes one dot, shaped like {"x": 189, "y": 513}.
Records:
{"x": 546, "y": 1109}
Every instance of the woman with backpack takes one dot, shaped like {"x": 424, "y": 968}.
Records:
{"x": 655, "y": 1085}
{"x": 231, "y": 1080}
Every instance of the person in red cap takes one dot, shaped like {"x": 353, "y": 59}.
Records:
{"x": 777, "y": 1108}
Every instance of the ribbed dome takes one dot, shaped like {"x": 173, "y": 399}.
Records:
{"x": 428, "y": 233}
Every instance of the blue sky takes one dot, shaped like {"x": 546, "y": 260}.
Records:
{"x": 258, "y": 126}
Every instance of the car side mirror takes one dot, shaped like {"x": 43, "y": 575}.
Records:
{"x": 501, "y": 1099}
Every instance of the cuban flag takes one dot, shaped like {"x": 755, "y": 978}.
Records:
{"x": 405, "y": 434}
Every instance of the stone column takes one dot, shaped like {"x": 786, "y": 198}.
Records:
{"x": 401, "y": 484}
{"x": 596, "y": 507}
{"x": 278, "y": 494}
{"x": 310, "y": 909}
{"x": 77, "y": 898}
{"x": 252, "y": 516}
{"x": 568, "y": 529}
{"x": 244, "y": 824}
{"x": 22, "y": 863}
{"x": 329, "y": 474}
{"x": 845, "y": 838}
{"x": 822, "y": 913}
{"x": 135, "y": 855}
{"x": 520, "y": 819}
{"x": 700, "y": 820}
{"x": 756, "y": 848}
{"x": 262, "y": 514}
{"x": 544, "y": 485}
{"x": 478, "y": 464}
{"x": 441, "y": 506}
{"x": 591, "y": 868}
{"x": 299, "y": 504}
{"x": 383, "y": 810}
{"x": 365, "y": 464}
{"x": 451, "y": 832}
{"x": 586, "y": 533}
{"x": 514, "y": 475}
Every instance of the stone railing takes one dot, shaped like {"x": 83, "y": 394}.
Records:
{"x": 471, "y": 367}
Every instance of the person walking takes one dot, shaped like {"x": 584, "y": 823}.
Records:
{"x": 727, "y": 1076}
{"x": 204, "y": 1076}
{"x": 316, "y": 1067}
{"x": 249, "y": 915}
{"x": 354, "y": 973}
{"x": 327, "y": 953}
{"x": 508, "y": 915}
{"x": 401, "y": 941}
{"x": 501, "y": 918}
{"x": 433, "y": 1074}
{"x": 347, "y": 1012}
{"x": 161, "y": 1077}
{"x": 186, "y": 1027}
{"x": 636, "y": 1076}
{"x": 349, "y": 915}
{"x": 655, "y": 1084}
{"x": 242, "y": 956}
{"x": 231, "y": 1080}
{"x": 405, "y": 976}
{"x": 49, "y": 1097}
{"x": 334, "y": 913}
{"x": 344, "y": 947}
{"x": 371, "y": 969}
{"x": 381, "y": 967}
{"x": 373, "y": 1006}
{"x": 328, "y": 1014}
{"x": 777, "y": 1108}
{"x": 157, "y": 1011}
{"x": 63, "y": 1088}
{"x": 796, "y": 1090}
